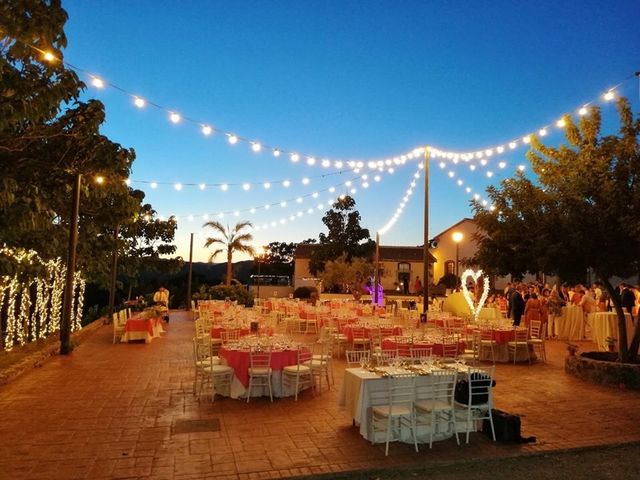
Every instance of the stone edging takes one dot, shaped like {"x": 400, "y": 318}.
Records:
{"x": 600, "y": 372}
{"x": 35, "y": 359}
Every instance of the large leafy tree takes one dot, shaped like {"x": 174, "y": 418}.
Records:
{"x": 345, "y": 236}
{"x": 583, "y": 213}
{"x": 231, "y": 240}
{"x": 47, "y": 137}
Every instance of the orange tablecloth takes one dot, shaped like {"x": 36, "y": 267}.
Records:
{"x": 240, "y": 362}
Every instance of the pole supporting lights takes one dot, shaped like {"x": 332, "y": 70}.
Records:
{"x": 259, "y": 257}
{"x": 457, "y": 237}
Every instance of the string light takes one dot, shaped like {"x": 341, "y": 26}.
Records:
{"x": 29, "y": 318}
{"x": 387, "y": 226}
{"x": 400, "y": 159}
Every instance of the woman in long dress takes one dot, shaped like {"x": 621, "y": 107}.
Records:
{"x": 533, "y": 310}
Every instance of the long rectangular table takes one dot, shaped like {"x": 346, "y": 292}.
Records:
{"x": 355, "y": 394}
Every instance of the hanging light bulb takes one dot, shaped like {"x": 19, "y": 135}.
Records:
{"x": 206, "y": 130}
{"x": 48, "y": 56}
{"x": 583, "y": 111}
{"x": 295, "y": 157}
{"x": 246, "y": 187}
{"x": 542, "y": 132}
{"x": 561, "y": 123}
{"x": 174, "y": 117}
{"x": 153, "y": 185}
{"x": 305, "y": 181}
{"x": 276, "y": 152}
{"x": 97, "y": 82}
{"x": 233, "y": 139}
{"x": 610, "y": 95}
{"x": 286, "y": 183}
{"x": 178, "y": 186}
{"x": 267, "y": 185}
{"x": 512, "y": 145}
{"x": 311, "y": 161}
{"x": 224, "y": 187}
{"x": 139, "y": 102}
{"x": 256, "y": 147}
{"x": 202, "y": 186}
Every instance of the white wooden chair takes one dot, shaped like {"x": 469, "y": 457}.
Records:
{"x": 260, "y": 371}
{"x": 356, "y": 358}
{"x": 438, "y": 404}
{"x": 392, "y": 410}
{"x": 479, "y": 401}
{"x": 298, "y": 375}
{"x": 118, "y": 327}
{"x": 537, "y": 339}
{"x": 519, "y": 342}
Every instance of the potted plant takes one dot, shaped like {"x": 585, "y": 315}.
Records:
{"x": 572, "y": 348}
{"x": 610, "y": 343}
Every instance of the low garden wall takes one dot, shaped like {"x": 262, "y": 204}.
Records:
{"x": 602, "y": 368}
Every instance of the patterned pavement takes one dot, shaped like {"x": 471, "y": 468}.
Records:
{"x": 118, "y": 411}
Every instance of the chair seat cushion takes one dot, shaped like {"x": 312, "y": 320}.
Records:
{"x": 218, "y": 369}
{"x": 535, "y": 341}
{"x": 396, "y": 410}
{"x": 297, "y": 368}
{"x": 259, "y": 370}
{"x": 432, "y": 405}
{"x": 204, "y": 363}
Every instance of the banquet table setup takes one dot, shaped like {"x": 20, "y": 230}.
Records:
{"x": 284, "y": 353}
{"x": 363, "y": 388}
{"x": 571, "y": 324}
{"x": 142, "y": 328}
{"x": 603, "y": 325}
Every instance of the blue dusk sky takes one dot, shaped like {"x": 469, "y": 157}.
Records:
{"x": 342, "y": 81}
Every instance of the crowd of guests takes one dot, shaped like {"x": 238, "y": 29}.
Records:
{"x": 534, "y": 301}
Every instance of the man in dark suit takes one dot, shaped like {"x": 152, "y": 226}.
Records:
{"x": 517, "y": 305}
{"x": 627, "y": 298}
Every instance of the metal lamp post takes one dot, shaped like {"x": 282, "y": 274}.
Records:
{"x": 457, "y": 237}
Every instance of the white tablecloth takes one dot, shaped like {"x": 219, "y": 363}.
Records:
{"x": 605, "y": 324}
{"x": 355, "y": 395}
{"x": 570, "y": 326}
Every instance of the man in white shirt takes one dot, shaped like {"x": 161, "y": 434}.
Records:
{"x": 161, "y": 297}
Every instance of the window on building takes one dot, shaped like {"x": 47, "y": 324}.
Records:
{"x": 449, "y": 267}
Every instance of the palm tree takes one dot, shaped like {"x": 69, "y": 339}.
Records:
{"x": 234, "y": 240}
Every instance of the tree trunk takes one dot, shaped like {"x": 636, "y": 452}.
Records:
{"x": 229, "y": 267}
{"x": 623, "y": 354}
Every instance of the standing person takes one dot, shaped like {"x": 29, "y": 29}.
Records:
{"x": 417, "y": 286}
{"x": 517, "y": 305}
{"x": 509, "y": 297}
{"x": 533, "y": 310}
{"x": 554, "y": 307}
{"x": 161, "y": 298}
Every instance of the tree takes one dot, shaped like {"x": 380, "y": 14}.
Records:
{"x": 233, "y": 240}
{"x": 280, "y": 252}
{"x": 583, "y": 214}
{"x": 346, "y": 275}
{"x": 48, "y": 137}
{"x": 345, "y": 236}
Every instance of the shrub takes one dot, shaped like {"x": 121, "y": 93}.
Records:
{"x": 302, "y": 292}
{"x": 237, "y": 293}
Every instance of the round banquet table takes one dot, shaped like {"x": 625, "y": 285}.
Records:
{"x": 239, "y": 360}
{"x": 570, "y": 325}
{"x": 502, "y": 336}
{"x": 216, "y": 332}
{"x": 348, "y": 331}
{"x": 404, "y": 349}
{"x": 605, "y": 324}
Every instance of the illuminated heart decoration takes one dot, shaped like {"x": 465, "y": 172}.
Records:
{"x": 475, "y": 309}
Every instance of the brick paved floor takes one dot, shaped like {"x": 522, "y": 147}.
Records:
{"x": 108, "y": 411}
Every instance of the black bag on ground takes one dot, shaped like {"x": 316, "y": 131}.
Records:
{"x": 507, "y": 427}
{"x": 481, "y": 393}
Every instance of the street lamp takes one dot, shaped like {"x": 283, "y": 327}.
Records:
{"x": 457, "y": 237}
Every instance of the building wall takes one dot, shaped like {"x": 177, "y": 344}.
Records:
{"x": 446, "y": 249}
